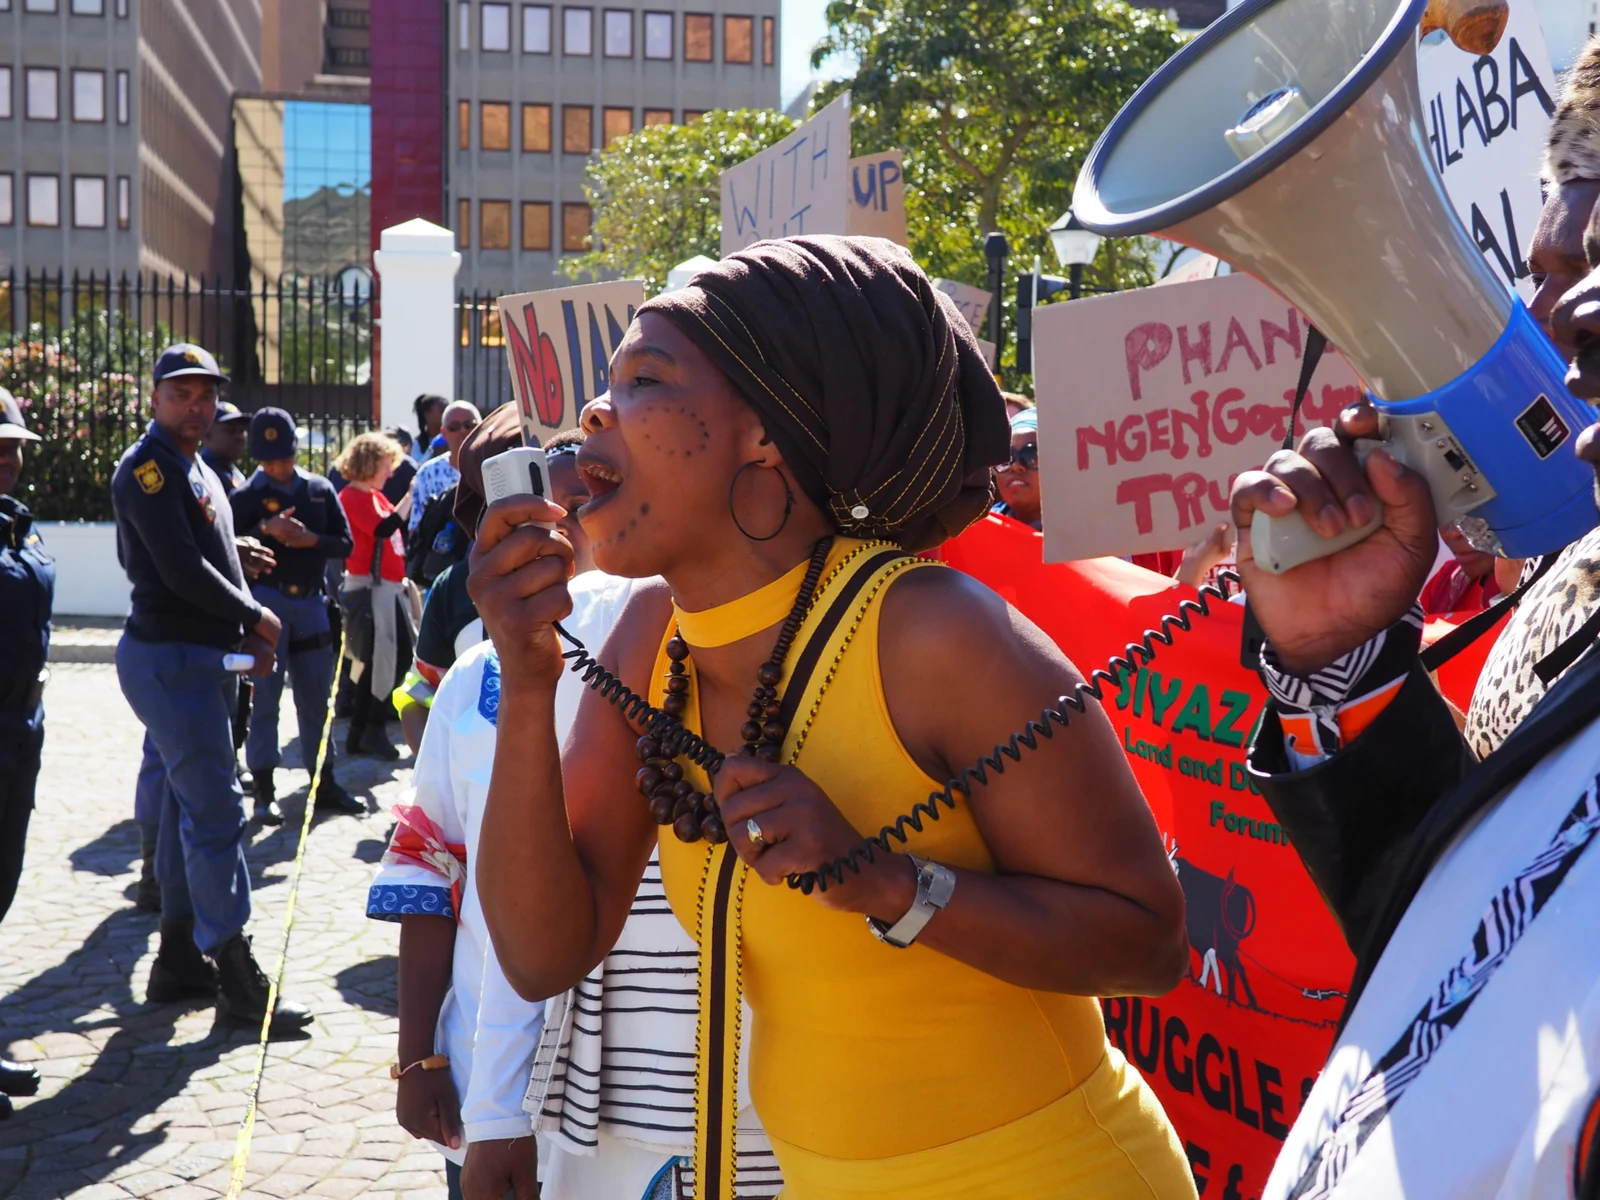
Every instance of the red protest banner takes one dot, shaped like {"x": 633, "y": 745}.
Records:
{"x": 1233, "y": 1050}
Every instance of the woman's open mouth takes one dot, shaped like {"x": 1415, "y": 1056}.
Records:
{"x": 601, "y": 478}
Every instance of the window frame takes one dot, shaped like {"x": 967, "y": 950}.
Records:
{"x": 549, "y": 27}
{"x": 484, "y": 108}
{"x": 729, "y": 21}
{"x": 8, "y": 199}
{"x": 588, "y": 227}
{"x": 40, "y": 6}
{"x": 646, "y": 123}
{"x": 73, "y": 81}
{"x": 124, "y": 202}
{"x": 484, "y": 9}
{"x": 122, "y": 10}
{"x": 463, "y": 124}
{"x": 8, "y": 110}
{"x": 605, "y": 31}
{"x": 495, "y": 209}
{"x": 464, "y": 25}
{"x": 99, "y": 9}
{"x": 588, "y": 112}
{"x": 690, "y": 115}
{"x": 28, "y": 198}
{"x": 769, "y": 41}
{"x": 549, "y": 128}
{"x": 549, "y": 227}
{"x": 711, "y": 36}
{"x": 27, "y": 91}
{"x": 104, "y": 197}
{"x": 568, "y": 12}
{"x": 463, "y": 223}
{"x": 606, "y": 113}
{"x": 672, "y": 36}
{"x": 124, "y": 98}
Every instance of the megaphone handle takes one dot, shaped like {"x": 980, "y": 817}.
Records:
{"x": 1282, "y": 543}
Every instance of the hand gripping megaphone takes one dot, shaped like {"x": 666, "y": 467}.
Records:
{"x": 1287, "y": 139}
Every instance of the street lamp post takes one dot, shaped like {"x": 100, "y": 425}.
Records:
{"x": 1075, "y": 247}
{"x": 995, "y": 249}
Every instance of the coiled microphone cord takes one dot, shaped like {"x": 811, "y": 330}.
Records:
{"x": 679, "y": 741}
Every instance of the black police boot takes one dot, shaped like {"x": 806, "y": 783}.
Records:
{"x": 332, "y": 798}
{"x": 147, "y": 897}
{"x": 375, "y": 742}
{"x": 5, "y": 1107}
{"x": 243, "y": 988}
{"x": 180, "y": 971}
{"x": 261, "y": 787}
{"x": 18, "y": 1080}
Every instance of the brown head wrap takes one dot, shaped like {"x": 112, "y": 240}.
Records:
{"x": 1572, "y": 145}
{"x": 869, "y": 380}
{"x": 495, "y": 434}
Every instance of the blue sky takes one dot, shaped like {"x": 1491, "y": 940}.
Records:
{"x": 803, "y": 27}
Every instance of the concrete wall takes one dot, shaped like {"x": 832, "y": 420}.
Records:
{"x": 89, "y": 580}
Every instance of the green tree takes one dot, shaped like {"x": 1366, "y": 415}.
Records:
{"x": 996, "y": 104}
{"x": 656, "y": 195}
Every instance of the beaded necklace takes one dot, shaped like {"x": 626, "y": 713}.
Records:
{"x": 673, "y": 799}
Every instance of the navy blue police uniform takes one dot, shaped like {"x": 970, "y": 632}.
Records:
{"x": 294, "y": 590}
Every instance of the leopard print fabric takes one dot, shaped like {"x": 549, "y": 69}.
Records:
{"x": 1551, "y": 611}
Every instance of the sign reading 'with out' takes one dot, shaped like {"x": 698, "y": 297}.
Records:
{"x": 801, "y": 185}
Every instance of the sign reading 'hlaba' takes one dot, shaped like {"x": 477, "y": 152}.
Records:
{"x": 559, "y": 345}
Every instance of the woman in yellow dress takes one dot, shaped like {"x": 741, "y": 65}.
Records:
{"x": 778, "y": 437}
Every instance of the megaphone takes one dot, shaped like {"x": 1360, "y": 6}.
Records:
{"x": 1287, "y": 139}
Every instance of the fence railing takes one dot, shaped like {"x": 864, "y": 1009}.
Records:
{"x": 77, "y": 351}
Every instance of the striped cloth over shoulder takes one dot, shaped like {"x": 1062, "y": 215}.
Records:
{"x": 618, "y": 1051}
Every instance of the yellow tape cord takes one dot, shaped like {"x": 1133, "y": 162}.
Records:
{"x": 247, "y": 1127}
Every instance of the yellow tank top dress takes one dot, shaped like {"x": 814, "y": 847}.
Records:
{"x": 876, "y": 1071}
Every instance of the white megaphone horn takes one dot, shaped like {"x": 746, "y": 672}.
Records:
{"x": 1287, "y": 139}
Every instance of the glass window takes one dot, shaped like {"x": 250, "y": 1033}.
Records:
{"x": 769, "y": 40}
{"x": 494, "y": 224}
{"x": 44, "y": 200}
{"x": 619, "y": 33}
{"x": 39, "y": 6}
{"x": 494, "y": 126}
{"x": 657, "y": 116}
{"x": 5, "y": 93}
{"x": 536, "y": 29}
{"x": 464, "y": 125}
{"x": 8, "y": 209}
{"x": 536, "y": 128}
{"x": 464, "y": 26}
{"x": 494, "y": 27}
{"x": 577, "y": 31}
{"x": 88, "y": 95}
{"x": 738, "y": 37}
{"x": 615, "y": 123}
{"x": 463, "y": 223}
{"x": 691, "y": 115}
{"x": 122, "y": 97}
{"x": 697, "y": 37}
{"x": 535, "y": 225}
{"x": 577, "y": 129}
{"x": 43, "y": 104}
{"x": 122, "y": 8}
{"x": 124, "y": 202}
{"x": 574, "y": 228}
{"x": 89, "y": 8}
{"x": 89, "y": 201}
{"x": 657, "y": 35}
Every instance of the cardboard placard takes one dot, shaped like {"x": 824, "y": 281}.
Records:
{"x": 1486, "y": 120}
{"x": 1201, "y": 266}
{"x": 801, "y": 185}
{"x": 558, "y": 349}
{"x": 877, "y": 197}
{"x": 1152, "y": 401}
{"x": 973, "y": 302}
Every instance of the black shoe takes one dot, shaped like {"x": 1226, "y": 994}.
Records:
{"x": 180, "y": 971}
{"x": 242, "y": 991}
{"x": 18, "y": 1080}
{"x": 267, "y": 810}
{"x": 147, "y": 897}
{"x": 375, "y": 742}
{"x": 5, "y": 1107}
{"x": 332, "y": 798}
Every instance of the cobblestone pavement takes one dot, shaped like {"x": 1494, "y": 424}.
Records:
{"x": 146, "y": 1101}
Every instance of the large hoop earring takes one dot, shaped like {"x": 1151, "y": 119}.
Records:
{"x": 788, "y": 503}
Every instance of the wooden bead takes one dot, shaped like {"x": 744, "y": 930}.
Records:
{"x": 772, "y": 731}
{"x": 711, "y": 829}
{"x": 687, "y": 828}
{"x": 748, "y": 750}
{"x": 708, "y": 803}
{"x": 672, "y": 772}
{"x": 755, "y": 711}
{"x": 674, "y": 705}
{"x": 769, "y": 752}
{"x": 683, "y": 805}
{"x": 683, "y": 788}
{"x": 661, "y": 810}
{"x": 647, "y": 748}
{"x": 750, "y": 731}
{"x": 677, "y": 648}
{"x": 677, "y": 684}
{"x": 674, "y": 670}
{"x": 647, "y": 779}
{"x": 770, "y": 710}
{"x": 770, "y": 673}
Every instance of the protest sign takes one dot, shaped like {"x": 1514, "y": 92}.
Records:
{"x": 801, "y": 185}
{"x": 1233, "y": 1049}
{"x": 1201, "y": 266}
{"x": 877, "y": 197}
{"x": 1486, "y": 119}
{"x": 987, "y": 349}
{"x": 558, "y": 348}
{"x": 972, "y": 302}
{"x": 1152, "y": 401}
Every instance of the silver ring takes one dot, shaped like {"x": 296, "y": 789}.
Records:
{"x": 753, "y": 832}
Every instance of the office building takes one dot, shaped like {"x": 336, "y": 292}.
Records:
{"x": 536, "y": 89}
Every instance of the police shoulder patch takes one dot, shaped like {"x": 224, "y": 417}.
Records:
{"x": 149, "y": 478}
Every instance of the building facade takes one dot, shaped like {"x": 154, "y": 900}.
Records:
{"x": 535, "y": 89}
{"x": 115, "y": 138}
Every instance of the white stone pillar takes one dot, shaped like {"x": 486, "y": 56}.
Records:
{"x": 418, "y": 262}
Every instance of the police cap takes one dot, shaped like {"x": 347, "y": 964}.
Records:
{"x": 227, "y": 411}
{"x": 11, "y": 423}
{"x": 187, "y": 359}
{"x": 272, "y": 435}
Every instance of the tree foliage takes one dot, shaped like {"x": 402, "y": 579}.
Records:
{"x": 656, "y": 196}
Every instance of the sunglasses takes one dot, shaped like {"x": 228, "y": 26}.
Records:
{"x": 1027, "y": 458}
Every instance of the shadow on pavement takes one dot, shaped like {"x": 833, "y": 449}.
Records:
{"x": 372, "y": 985}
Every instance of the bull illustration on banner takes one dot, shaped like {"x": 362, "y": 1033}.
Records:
{"x": 558, "y": 348}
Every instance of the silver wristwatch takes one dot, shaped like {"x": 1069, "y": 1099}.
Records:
{"x": 935, "y": 885}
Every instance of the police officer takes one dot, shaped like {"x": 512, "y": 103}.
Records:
{"x": 27, "y": 587}
{"x": 297, "y": 515}
{"x": 224, "y": 445}
{"x": 190, "y": 608}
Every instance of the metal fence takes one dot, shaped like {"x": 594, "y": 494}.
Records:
{"x": 481, "y": 372}
{"x": 77, "y": 351}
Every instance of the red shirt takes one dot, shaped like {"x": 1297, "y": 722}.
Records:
{"x": 365, "y": 510}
